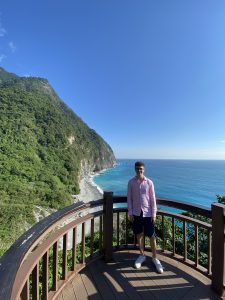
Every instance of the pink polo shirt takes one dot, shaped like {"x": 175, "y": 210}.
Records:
{"x": 141, "y": 196}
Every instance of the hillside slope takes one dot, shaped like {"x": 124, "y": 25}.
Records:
{"x": 44, "y": 150}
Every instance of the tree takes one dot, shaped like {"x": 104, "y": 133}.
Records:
{"x": 221, "y": 199}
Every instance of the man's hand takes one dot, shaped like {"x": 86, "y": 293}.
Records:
{"x": 153, "y": 219}
{"x": 131, "y": 218}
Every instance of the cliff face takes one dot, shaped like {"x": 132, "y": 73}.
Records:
{"x": 89, "y": 167}
{"x": 45, "y": 148}
{"x": 104, "y": 160}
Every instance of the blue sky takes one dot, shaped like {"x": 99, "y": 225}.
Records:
{"x": 148, "y": 76}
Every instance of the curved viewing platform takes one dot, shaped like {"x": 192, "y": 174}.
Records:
{"x": 87, "y": 251}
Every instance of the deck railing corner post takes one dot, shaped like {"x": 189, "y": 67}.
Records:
{"x": 218, "y": 248}
{"x": 108, "y": 225}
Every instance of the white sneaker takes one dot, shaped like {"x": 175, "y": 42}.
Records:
{"x": 158, "y": 265}
{"x": 139, "y": 261}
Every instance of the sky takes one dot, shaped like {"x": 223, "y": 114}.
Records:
{"x": 148, "y": 76}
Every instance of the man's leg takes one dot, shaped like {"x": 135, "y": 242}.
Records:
{"x": 156, "y": 262}
{"x": 140, "y": 240}
{"x": 138, "y": 230}
{"x": 153, "y": 245}
{"x": 141, "y": 258}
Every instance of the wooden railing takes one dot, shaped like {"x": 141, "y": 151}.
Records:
{"x": 46, "y": 257}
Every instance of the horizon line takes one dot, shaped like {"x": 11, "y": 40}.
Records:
{"x": 217, "y": 159}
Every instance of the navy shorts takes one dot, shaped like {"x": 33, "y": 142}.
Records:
{"x": 143, "y": 224}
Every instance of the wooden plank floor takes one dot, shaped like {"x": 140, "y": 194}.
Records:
{"x": 120, "y": 280}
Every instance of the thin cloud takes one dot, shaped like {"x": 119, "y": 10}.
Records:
{"x": 2, "y": 30}
{"x": 12, "y": 47}
{"x": 2, "y": 56}
{"x": 222, "y": 141}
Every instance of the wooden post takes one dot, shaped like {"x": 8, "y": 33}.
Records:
{"x": 108, "y": 225}
{"x": 218, "y": 248}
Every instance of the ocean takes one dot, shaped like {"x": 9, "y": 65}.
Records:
{"x": 194, "y": 181}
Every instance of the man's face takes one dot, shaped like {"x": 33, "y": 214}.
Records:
{"x": 140, "y": 170}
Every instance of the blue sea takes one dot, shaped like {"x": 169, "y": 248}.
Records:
{"x": 194, "y": 181}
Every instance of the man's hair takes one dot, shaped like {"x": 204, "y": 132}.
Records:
{"x": 139, "y": 164}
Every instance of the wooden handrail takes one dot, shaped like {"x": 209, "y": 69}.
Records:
{"x": 179, "y": 204}
{"x": 22, "y": 259}
{"x": 33, "y": 259}
{"x": 187, "y": 219}
{"x": 13, "y": 258}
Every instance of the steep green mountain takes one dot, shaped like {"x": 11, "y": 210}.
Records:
{"x": 44, "y": 150}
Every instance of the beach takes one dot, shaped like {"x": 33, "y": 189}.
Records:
{"x": 88, "y": 191}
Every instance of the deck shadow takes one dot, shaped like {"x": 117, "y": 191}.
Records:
{"x": 118, "y": 279}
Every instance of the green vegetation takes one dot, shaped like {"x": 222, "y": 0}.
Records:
{"x": 190, "y": 238}
{"x": 168, "y": 238}
{"x": 220, "y": 199}
{"x": 42, "y": 145}
{"x": 126, "y": 235}
{"x": 96, "y": 247}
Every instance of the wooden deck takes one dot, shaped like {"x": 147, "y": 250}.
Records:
{"x": 119, "y": 280}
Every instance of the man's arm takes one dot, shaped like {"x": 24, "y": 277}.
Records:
{"x": 153, "y": 219}
{"x": 152, "y": 202}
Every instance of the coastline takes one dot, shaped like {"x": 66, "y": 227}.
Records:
{"x": 88, "y": 190}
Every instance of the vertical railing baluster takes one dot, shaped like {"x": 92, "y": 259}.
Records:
{"x": 35, "y": 282}
{"x": 64, "y": 262}
{"x": 55, "y": 267}
{"x": 83, "y": 244}
{"x": 173, "y": 236}
{"x": 45, "y": 277}
{"x": 185, "y": 240}
{"x": 196, "y": 246}
{"x": 100, "y": 233}
{"x": 126, "y": 233}
{"x": 218, "y": 248}
{"x": 117, "y": 230}
{"x": 108, "y": 225}
{"x": 25, "y": 295}
{"x": 92, "y": 237}
{"x": 163, "y": 234}
{"x": 74, "y": 249}
{"x": 209, "y": 252}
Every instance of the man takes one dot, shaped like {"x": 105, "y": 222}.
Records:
{"x": 142, "y": 213}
